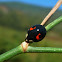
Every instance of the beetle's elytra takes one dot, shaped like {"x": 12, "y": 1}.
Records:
{"x": 36, "y": 33}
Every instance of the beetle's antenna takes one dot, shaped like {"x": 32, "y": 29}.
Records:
{"x": 52, "y": 11}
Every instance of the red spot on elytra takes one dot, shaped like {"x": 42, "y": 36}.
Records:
{"x": 37, "y": 37}
{"x": 32, "y": 28}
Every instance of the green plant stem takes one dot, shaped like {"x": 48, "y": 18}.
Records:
{"x": 52, "y": 24}
{"x": 11, "y": 53}
{"x": 19, "y": 49}
{"x": 43, "y": 50}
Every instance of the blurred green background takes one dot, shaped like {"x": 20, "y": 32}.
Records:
{"x": 15, "y": 19}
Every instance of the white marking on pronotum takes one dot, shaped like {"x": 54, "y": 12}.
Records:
{"x": 30, "y": 40}
{"x": 37, "y": 29}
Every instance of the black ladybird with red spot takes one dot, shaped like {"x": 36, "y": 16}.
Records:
{"x": 36, "y": 33}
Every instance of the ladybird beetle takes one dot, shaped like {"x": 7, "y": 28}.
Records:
{"x": 35, "y": 34}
